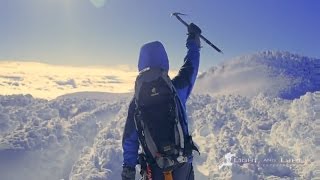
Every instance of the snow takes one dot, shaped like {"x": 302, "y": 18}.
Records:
{"x": 274, "y": 73}
{"x": 257, "y": 128}
{"x": 274, "y": 134}
{"x": 48, "y": 136}
{"x": 81, "y": 139}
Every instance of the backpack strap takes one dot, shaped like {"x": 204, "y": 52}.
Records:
{"x": 178, "y": 112}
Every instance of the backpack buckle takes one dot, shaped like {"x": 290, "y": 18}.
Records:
{"x": 164, "y": 162}
{"x": 182, "y": 159}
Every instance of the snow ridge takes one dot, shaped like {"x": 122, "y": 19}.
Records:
{"x": 274, "y": 73}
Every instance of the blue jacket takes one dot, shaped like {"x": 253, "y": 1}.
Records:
{"x": 154, "y": 55}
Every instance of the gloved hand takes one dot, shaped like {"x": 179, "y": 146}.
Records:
{"x": 194, "y": 34}
{"x": 128, "y": 173}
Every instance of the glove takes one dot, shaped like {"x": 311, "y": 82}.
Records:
{"x": 194, "y": 34}
{"x": 128, "y": 173}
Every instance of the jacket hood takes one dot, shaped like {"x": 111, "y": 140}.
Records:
{"x": 153, "y": 55}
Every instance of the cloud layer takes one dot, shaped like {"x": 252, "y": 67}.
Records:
{"x": 50, "y": 81}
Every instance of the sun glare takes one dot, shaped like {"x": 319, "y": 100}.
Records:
{"x": 98, "y": 3}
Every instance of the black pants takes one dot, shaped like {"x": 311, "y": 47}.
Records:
{"x": 185, "y": 172}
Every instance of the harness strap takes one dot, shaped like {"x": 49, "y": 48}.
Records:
{"x": 180, "y": 133}
{"x": 149, "y": 141}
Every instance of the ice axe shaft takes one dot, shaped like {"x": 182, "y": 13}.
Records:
{"x": 210, "y": 44}
{"x": 202, "y": 37}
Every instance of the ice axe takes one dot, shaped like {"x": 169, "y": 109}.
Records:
{"x": 176, "y": 14}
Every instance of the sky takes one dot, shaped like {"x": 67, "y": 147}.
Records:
{"x": 111, "y": 32}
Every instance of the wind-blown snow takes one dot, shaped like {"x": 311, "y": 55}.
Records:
{"x": 274, "y": 73}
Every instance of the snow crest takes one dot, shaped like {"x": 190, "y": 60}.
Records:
{"x": 274, "y": 73}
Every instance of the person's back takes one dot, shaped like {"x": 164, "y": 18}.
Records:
{"x": 153, "y": 55}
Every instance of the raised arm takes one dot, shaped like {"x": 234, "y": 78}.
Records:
{"x": 187, "y": 75}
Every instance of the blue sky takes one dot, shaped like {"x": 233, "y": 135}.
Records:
{"x": 76, "y": 32}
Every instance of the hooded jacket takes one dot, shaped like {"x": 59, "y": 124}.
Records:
{"x": 153, "y": 55}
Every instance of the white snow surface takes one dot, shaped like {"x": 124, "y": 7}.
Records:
{"x": 264, "y": 108}
{"x": 74, "y": 138}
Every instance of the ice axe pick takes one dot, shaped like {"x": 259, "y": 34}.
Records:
{"x": 176, "y": 14}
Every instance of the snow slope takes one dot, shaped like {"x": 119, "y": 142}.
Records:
{"x": 48, "y": 136}
{"x": 274, "y": 73}
{"x": 78, "y": 139}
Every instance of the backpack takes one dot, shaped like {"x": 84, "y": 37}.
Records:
{"x": 158, "y": 120}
